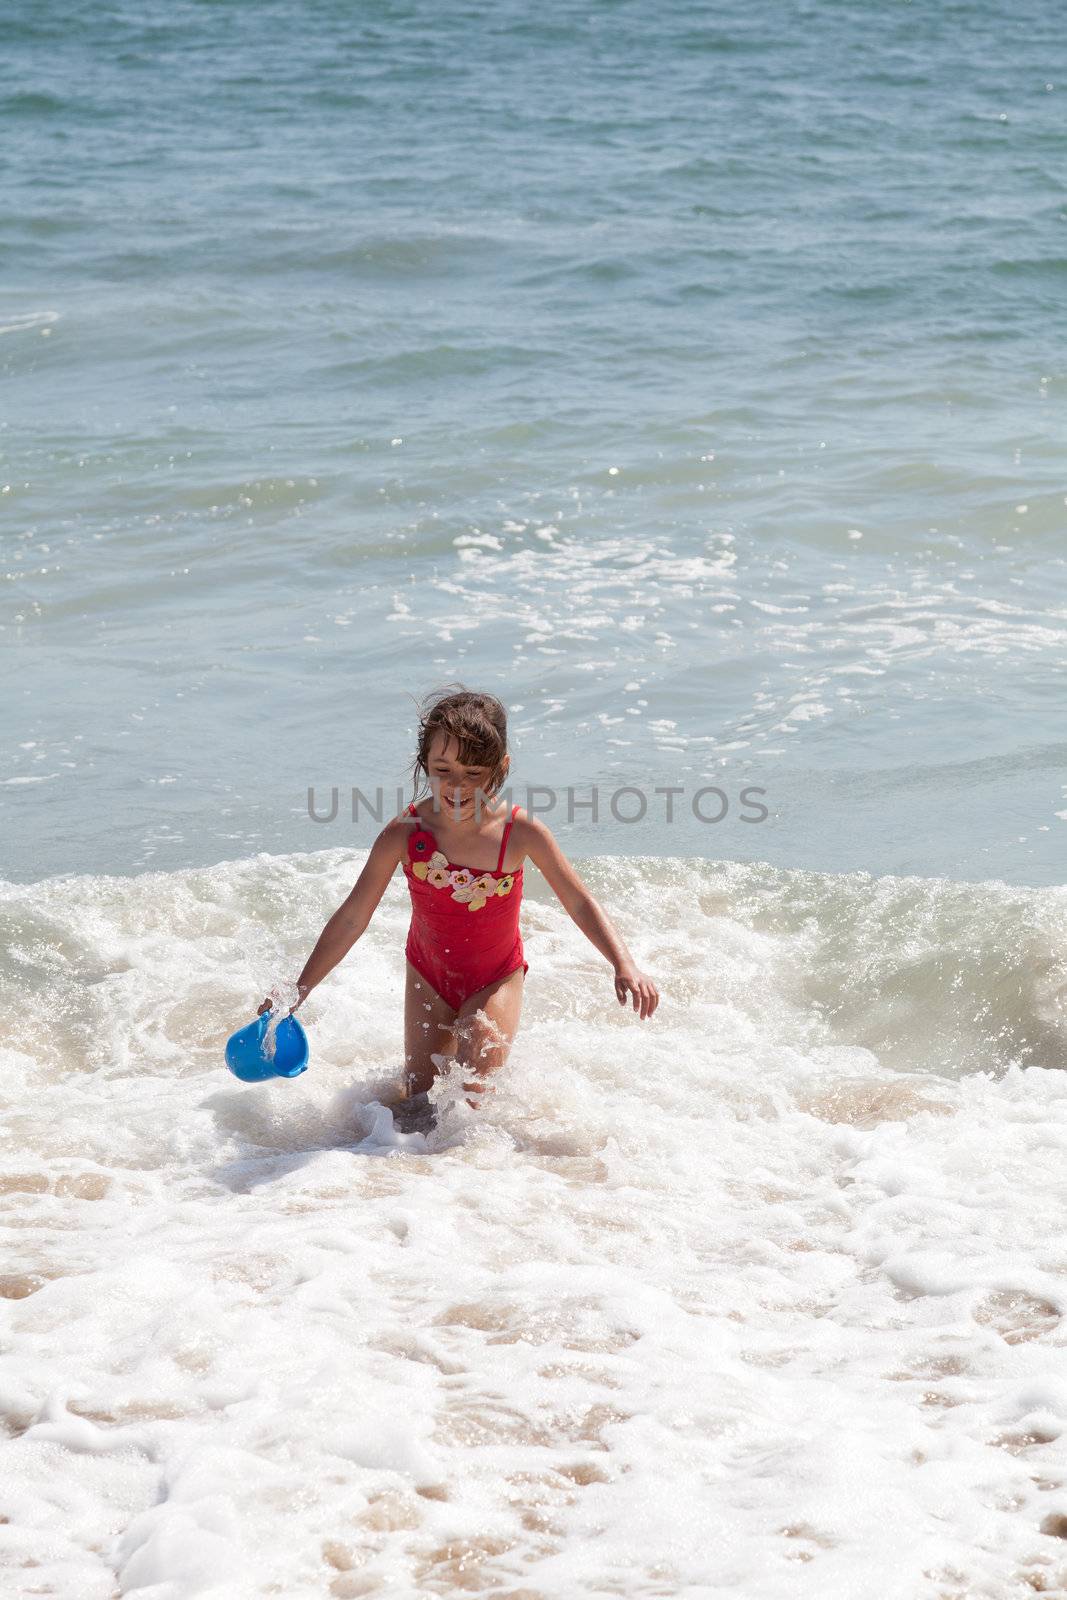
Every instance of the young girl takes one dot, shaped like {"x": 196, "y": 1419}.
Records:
{"x": 463, "y": 852}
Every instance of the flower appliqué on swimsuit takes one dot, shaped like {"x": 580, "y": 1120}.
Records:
{"x": 435, "y": 869}
{"x": 471, "y": 890}
{"x": 466, "y": 888}
{"x": 423, "y": 845}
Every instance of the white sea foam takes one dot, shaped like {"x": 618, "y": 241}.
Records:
{"x": 764, "y": 1294}
{"x": 28, "y": 321}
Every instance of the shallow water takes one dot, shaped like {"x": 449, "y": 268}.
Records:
{"x": 691, "y": 1305}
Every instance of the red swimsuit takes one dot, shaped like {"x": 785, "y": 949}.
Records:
{"x": 464, "y": 929}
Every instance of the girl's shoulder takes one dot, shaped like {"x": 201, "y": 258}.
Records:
{"x": 524, "y": 833}
{"x": 514, "y": 831}
{"x": 532, "y": 836}
{"x": 408, "y": 819}
{"x": 396, "y": 832}
{"x": 517, "y": 818}
{"x": 524, "y": 820}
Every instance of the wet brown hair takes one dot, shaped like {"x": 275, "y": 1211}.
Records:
{"x": 479, "y": 724}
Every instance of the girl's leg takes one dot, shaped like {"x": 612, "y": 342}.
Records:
{"x": 485, "y": 1025}
{"x": 428, "y": 1031}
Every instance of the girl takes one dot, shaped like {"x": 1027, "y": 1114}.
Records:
{"x": 465, "y": 964}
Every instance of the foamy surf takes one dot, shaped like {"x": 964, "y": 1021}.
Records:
{"x": 765, "y": 1295}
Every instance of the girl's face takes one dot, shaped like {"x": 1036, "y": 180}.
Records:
{"x": 455, "y": 782}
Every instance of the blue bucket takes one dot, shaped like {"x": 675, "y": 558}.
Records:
{"x": 247, "y": 1061}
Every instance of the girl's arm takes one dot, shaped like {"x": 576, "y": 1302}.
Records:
{"x": 580, "y": 906}
{"x": 353, "y": 914}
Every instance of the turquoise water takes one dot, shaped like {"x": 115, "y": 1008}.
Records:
{"x": 693, "y": 380}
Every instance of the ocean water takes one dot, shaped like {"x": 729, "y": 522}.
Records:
{"x": 694, "y": 381}
{"x": 691, "y": 377}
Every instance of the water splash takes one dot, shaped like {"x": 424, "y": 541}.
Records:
{"x": 284, "y": 998}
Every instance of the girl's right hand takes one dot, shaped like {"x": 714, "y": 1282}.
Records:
{"x": 302, "y": 995}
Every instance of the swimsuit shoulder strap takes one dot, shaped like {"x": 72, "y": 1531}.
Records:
{"x": 421, "y": 841}
{"x": 504, "y": 840}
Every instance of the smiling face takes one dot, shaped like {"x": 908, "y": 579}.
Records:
{"x": 457, "y": 783}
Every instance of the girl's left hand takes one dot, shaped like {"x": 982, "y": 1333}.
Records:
{"x": 645, "y": 994}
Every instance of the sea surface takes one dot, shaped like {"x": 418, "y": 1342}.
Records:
{"x": 693, "y": 378}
